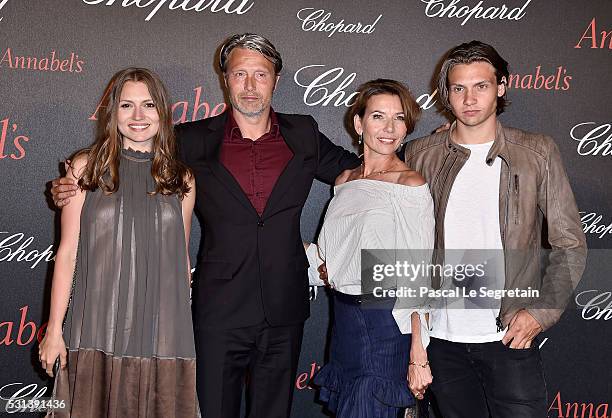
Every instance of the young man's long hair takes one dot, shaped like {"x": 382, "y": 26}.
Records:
{"x": 103, "y": 157}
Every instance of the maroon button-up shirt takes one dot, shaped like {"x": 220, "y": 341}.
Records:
{"x": 256, "y": 165}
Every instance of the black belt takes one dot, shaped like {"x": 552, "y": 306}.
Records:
{"x": 360, "y": 299}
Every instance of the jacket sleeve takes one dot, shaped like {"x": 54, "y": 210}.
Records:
{"x": 332, "y": 158}
{"x": 181, "y": 142}
{"x": 567, "y": 257}
{"x": 407, "y": 152}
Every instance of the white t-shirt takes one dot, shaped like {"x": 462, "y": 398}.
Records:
{"x": 472, "y": 222}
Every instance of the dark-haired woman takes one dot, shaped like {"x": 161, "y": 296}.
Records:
{"x": 377, "y": 355}
{"x": 124, "y": 240}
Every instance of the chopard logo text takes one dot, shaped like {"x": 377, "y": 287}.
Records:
{"x": 317, "y": 21}
{"x": 214, "y": 6}
{"x": 439, "y": 8}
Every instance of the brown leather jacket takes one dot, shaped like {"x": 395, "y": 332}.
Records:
{"x": 533, "y": 186}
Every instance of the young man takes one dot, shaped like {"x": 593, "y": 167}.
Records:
{"x": 254, "y": 169}
{"x": 490, "y": 184}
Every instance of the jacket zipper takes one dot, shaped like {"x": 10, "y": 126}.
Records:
{"x": 444, "y": 203}
{"x": 445, "y": 178}
{"x": 498, "y": 320}
{"x": 516, "y": 198}
{"x": 503, "y": 230}
{"x": 448, "y": 172}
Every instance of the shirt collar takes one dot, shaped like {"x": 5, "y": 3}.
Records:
{"x": 233, "y": 131}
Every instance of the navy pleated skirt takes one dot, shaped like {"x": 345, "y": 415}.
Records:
{"x": 366, "y": 376}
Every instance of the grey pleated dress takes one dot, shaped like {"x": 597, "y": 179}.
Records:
{"x": 128, "y": 327}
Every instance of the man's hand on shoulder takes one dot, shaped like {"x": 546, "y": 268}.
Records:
{"x": 63, "y": 188}
{"x": 442, "y": 128}
{"x": 343, "y": 177}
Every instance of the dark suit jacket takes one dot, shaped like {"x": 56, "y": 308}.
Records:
{"x": 253, "y": 268}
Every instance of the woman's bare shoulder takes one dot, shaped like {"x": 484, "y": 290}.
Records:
{"x": 411, "y": 178}
{"x": 77, "y": 164}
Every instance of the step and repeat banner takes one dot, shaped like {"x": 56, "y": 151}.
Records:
{"x": 56, "y": 57}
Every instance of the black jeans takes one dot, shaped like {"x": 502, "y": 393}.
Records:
{"x": 487, "y": 380}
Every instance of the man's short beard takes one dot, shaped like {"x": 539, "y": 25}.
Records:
{"x": 249, "y": 114}
{"x": 246, "y": 113}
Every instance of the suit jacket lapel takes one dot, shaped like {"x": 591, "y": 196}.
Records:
{"x": 213, "y": 140}
{"x": 294, "y": 139}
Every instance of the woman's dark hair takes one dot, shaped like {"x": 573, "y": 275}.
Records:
{"x": 384, "y": 86}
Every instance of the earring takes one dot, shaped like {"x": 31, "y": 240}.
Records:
{"x": 360, "y": 140}
{"x": 401, "y": 144}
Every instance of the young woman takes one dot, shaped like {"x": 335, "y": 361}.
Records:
{"x": 121, "y": 274}
{"x": 382, "y": 204}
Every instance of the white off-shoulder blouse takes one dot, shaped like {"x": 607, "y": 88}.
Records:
{"x": 371, "y": 214}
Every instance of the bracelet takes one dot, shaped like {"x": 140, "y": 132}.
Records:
{"x": 412, "y": 363}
